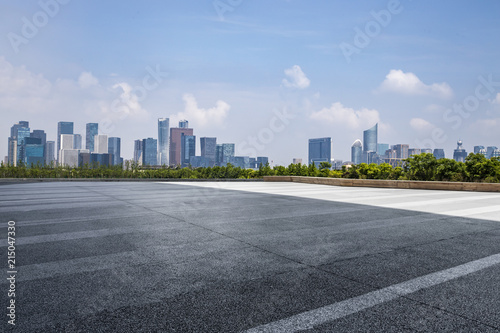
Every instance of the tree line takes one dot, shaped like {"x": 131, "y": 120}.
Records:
{"x": 424, "y": 167}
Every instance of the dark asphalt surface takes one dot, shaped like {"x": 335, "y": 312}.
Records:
{"x": 150, "y": 257}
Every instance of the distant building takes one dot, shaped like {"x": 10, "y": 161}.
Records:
{"x": 176, "y": 143}
{"x": 414, "y": 151}
{"x": 188, "y": 149}
{"x": 33, "y": 152}
{"x": 92, "y": 129}
{"x": 382, "y": 148}
{"x": 438, "y": 153}
{"x": 356, "y": 152}
{"x": 114, "y": 149}
{"x": 183, "y": 124}
{"x": 477, "y": 149}
{"x": 490, "y": 150}
{"x": 426, "y": 151}
{"x": 77, "y": 141}
{"x": 401, "y": 150}
{"x": 50, "y": 150}
{"x": 208, "y": 147}
{"x": 149, "y": 151}
{"x": 240, "y": 161}
{"x": 496, "y": 153}
{"x": 297, "y": 161}
{"x": 138, "y": 151}
{"x": 163, "y": 141}
{"x": 40, "y": 134}
{"x": 101, "y": 144}
{"x": 199, "y": 161}
{"x": 228, "y": 150}
{"x": 218, "y": 155}
{"x": 370, "y": 139}
{"x": 12, "y": 154}
{"x": 320, "y": 150}
{"x": 63, "y": 127}
{"x": 262, "y": 160}
{"x": 460, "y": 153}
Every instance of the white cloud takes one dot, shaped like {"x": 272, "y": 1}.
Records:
{"x": 86, "y": 80}
{"x": 400, "y": 82}
{"x": 201, "y": 117}
{"x": 421, "y": 125}
{"x": 497, "y": 99}
{"x": 296, "y": 78}
{"x": 341, "y": 115}
{"x": 18, "y": 80}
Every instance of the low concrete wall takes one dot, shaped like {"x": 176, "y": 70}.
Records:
{"x": 7, "y": 181}
{"x": 407, "y": 184}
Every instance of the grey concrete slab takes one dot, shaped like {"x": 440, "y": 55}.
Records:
{"x": 228, "y": 257}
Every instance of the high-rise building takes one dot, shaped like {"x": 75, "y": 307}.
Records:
{"x": 438, "y": 153}
{"x": 490, "y": 150}
{"x": 92, "y": 129}
{"x": 426, "y": 151}
{"x": 356, "y": 152}
{"x": 149, "y": 151}
{"x": 183, "y": 124}
{"x": 320, "y": 150}
{"x": 101, "y": 144}
{"x": 163, "y": 140}
{"x": 382, "y": 148}
{"x": 33, "y": 151}
{"x": 188, "y": 149}
{"x": 414, "y": 151}
{"x": 50, "y": 149}
{"x": 218, "y": 155}
{"x": 114, "y": 149}
{"x": 23, "y": 133}
{"x": 138, "y": 151}
{"x": 63, "y": 127}
{"x": 496, "y": 153}
{"x": 40, "y": 134}
{"x": 401, "y": 150}
{"x": 13, "y": 148}
{"x": 261, "y": 160}
{"x": 77, "y": 141}
{"x": 208, "y": 146}
{"x": 460, "y": 153}
{"x": 477, "y": 149}
{"x": 228, "y": 151}
{"x": 370, "y": 137}
{"x": 176, "y": 144}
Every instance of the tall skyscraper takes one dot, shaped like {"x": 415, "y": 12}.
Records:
{"x": 40, "y": 134}
{"x": 320, "y": 150}
{"x": 370, "y": 139}
{"x": 219, "y": 155}
{"x": 438, "y": 153}
{"x": 176, "y": 144}
{"x": 138, "y": 151}
{"x": 12, "y": 157}
{"x": 188, "y": 149}
{"x": 101, "y": 144}
{"x": 77, "y": 141}
{"x": 460, "y": 153}
{"x": 63, "y": 127}
{"x": 207, "y": 146}
{"x": 382, "y": 148}
{"x": 23, "y": 133}
{"x": 183, "y": 124}
{"x": 33, "y": 151}
{"x": 163, "y": 140}
{"x": 92, "y": 130}
{"x": 356, "y": 152}
{"x": 149, "y": 151}
{"x": 50, "y": 149}
{"x": 477, "y": 149}
{"x": 114, "y": 149}
{"x": 490, "y": 150}
{"x": 228, "y": 150}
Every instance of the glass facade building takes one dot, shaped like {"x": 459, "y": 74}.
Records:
{"x": 149, "y": 151}
{"x": 208, "y": 146}
{"x": 188, "y": 149}
{"x": 163, "y": 140}
{"x": 92, "y": 130}
{"x": 63, "y": 127}
{"x": 370, "y": 137}
{"x": 114, "y": 149}
{"x": 320, "y": 150}
{"x": 460, "y": 153}
{"x": 138, "y": 151}
{"x": 356, "y": 152}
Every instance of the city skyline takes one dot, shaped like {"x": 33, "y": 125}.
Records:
{"x": 266, "y": 81}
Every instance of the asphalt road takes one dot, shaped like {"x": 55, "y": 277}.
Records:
{"x": 256, "y": 257}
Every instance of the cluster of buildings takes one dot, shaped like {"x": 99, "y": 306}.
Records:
{"x": 371, "y": 151}
{"x": 177, "y": 146}
{"x": 33, "y": 148}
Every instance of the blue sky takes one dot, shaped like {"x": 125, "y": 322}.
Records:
{"x": 234, "y": 67}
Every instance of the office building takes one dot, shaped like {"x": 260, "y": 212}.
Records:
{"x": 183, "y": 124}
{"x": 357, "y": 152}
{"x": 100, "y": 159}
{"x": 426, "y": 151}
{"x": 490, "y": 150}
{"x": 261, "y": 160}
{"x": 208, "y": 146}
{"x": 91, "y": 131}
{"x": 12, "y": 153}
{"x": 40, "y": 134}
{"x": 401, "y": 151}
{"x": 138, "y": 151}
{"x": 320, "y": 150}
{"x": 438, "y": 153}
{"x": 77, "y": 141}
{"x": 66, "y": 142}
{"x": 460, "y": 153}
{"x": 176, "y": 144}
{"x": 495, "y": 153}
{"x": 188, "y": 148}
{"x": 382, "y": 148}
{"x": 33, "y": 152}
{"x": 149, "y": 151}
{"x": 163, "y": 140}
{"x": 370, "y": 137}
{"x": 114, "y": 149}
{"x": 477, "y": 149}
{"x": 199, "y": 162}
{"x": 23, "y": 133}
{"x": 218, "y": 155}
{"x": 101, "y": 144}
{"x": 50, "y": 149}
{"x": 63, "y": 127}
{"x": 228, "y": 151}
{"x": 414, "y": 151}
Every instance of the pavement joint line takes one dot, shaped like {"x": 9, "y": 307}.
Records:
{"x": 310, "y": 319}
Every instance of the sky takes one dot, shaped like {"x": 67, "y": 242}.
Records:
{"x": 266, "y": 75}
